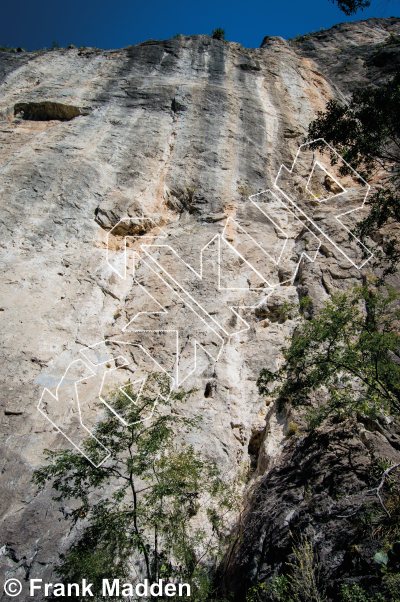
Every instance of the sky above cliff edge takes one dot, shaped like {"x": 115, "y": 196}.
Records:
{"x": 121, "y": 23}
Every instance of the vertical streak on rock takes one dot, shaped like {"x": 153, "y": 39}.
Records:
{"x": 271, "y": 124}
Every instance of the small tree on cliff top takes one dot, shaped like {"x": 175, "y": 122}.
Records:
{"x": 218, "y": 34}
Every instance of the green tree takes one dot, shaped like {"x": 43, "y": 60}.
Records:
{"x": 218, "y": 34}
{"x": 366, "y": 132}
{"x": 300, "y": 584}
{"x": 136, "y": 509}
{"x": 350, "y": 7}
{"x": 346, "y": 358}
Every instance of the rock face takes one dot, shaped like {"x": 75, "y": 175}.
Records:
{"x": 315, "y": 491}
{"x": 172, "y": 137}
{"x": 352, "y": 55}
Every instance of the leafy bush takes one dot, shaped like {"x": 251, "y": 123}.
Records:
{"x": 366, "y": 133}
{"x": 7, "y": 49}
{"x": 392, "y": 40}
{"x": 350, "y": 7}
{"x": 347, "y": 356}
{"x": 218, "y": 34}
{"x": 293, "y": 429}
{"x": 299, "y": 585}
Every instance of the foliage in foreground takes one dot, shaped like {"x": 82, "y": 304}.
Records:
{"x": 350, "y": 7}
{"x": 136, "y": 509}
{"x": 366, "y": 132}
{"x": 302, "y": 583}
{"x": 345, "y": 361}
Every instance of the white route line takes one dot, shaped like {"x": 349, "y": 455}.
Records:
{"x": 184, "y": 294}
{"x": 196, "y": 342}
{"x": 56, "y": 397}
{"x": 276, "y": 262}
{"x": 127, "y": 363}
{"x": 144, "y": 248}
{"x": 328, "y": 198}
{"x": 290, "y": 200}
{"x": 133, "y": 236}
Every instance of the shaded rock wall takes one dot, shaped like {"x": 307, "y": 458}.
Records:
{"x": 316, "y": 490}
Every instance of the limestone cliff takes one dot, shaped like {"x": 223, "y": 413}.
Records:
{"x": 174, "y": 136}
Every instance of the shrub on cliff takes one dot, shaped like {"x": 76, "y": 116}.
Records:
{"x": 218, "y": 34}
{"x": 366, "y": 132}
{"x": 345, "y": 361}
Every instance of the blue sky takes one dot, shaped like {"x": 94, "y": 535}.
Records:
{"x": 118, "y": 23}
